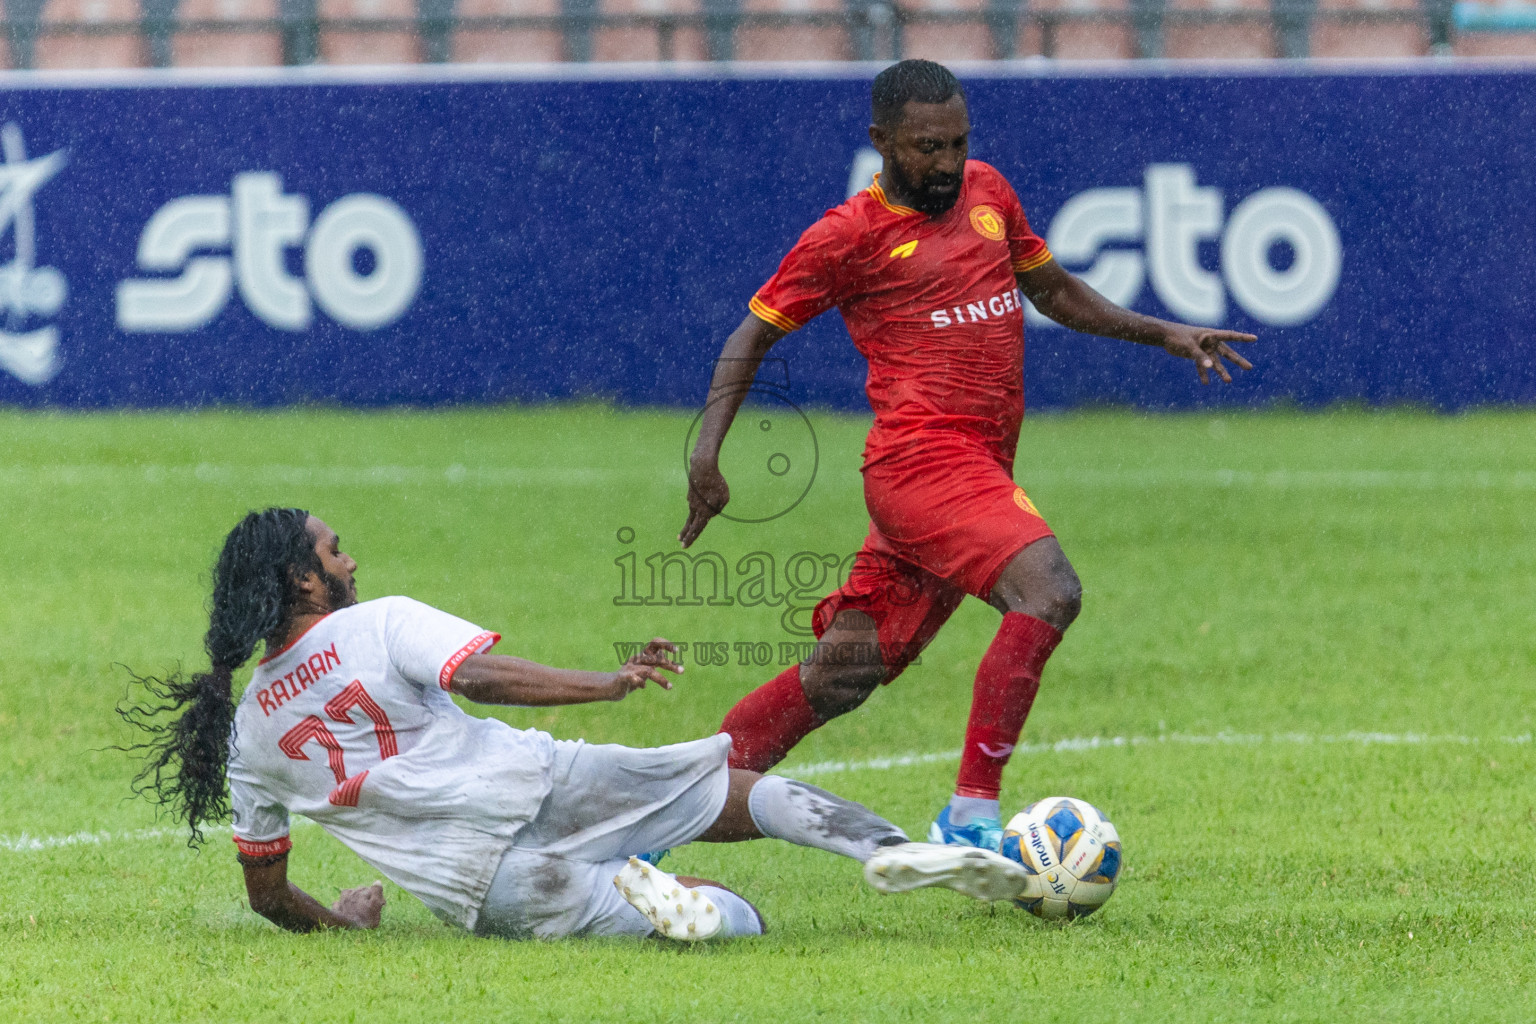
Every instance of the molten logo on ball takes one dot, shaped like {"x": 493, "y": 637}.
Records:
{"x": 1072, "y": 854}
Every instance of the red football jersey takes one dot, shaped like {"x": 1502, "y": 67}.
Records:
{"x": 930, "y": 302}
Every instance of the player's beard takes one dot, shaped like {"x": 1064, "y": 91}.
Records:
{"x": 921, "y": 195}
{"x": 339, "y": 592}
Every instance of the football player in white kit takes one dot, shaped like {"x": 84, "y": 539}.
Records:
{"x": 348, "y": 721}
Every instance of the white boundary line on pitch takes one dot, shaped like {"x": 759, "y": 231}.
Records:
{"x": 272, "y": 474}
{"x": 26, "y": 843}
{"x": 92, "y": 474}
{"x": 1091, "y": 743}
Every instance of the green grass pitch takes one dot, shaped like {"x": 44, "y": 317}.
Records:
{"x": 1307, "y": 654}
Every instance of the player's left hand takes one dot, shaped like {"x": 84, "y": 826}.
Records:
{"x": 1207, "y": 346}
{"x": 646, "y": 667}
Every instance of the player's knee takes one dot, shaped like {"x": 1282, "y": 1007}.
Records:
{"x": 1065, "y": 598}
{"x": 1055, "y": 596}
{"x": 839, "y": 677}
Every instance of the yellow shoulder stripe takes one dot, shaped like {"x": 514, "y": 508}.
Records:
{"x": 768, "y": 314}
{"x": 879, "y": 194}
{"x": 1028, "y": 263}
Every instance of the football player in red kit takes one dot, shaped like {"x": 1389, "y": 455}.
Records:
{"x": 927, "y": 266}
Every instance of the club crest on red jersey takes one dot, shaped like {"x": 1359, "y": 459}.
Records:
{"x": 987, "y": 222}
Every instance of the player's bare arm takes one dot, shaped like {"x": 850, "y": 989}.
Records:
{"x": 1072, "y": 303}
{"x": 291, "y": 908}
{"x": 734, "y": 370}
{"x": 496, "y": 679}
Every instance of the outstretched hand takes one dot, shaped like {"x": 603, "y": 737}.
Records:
{"x": 646, "y": 667}
{"x": 363, "y": 906}
{"x": 1207, "y": 346}
{"x": 707, "y": 495}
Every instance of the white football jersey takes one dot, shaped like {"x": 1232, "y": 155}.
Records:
{"x": 351, "y": 725}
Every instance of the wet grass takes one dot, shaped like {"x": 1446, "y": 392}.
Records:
{"x": 1305, "y": 658}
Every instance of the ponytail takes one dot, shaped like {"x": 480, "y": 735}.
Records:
{"x": 255, "y": 585}
{"x": 185, "y": 757}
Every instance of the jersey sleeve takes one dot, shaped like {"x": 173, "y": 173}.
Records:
{"x": 426, "y": 645}
{"x": 260, "y": 822}
{"x": 810, "y": 278}
{"x": 1026, "y": 250}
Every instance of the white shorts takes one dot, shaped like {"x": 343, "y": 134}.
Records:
{"x": 608, "y": 804}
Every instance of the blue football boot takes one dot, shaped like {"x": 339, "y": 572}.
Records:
{"x": 654, "y": 857}
{"x": 982, "y": 833}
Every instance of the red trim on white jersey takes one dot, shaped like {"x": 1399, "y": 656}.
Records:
{"x": 289, "y": 645}
{"x": 484, "y": 642}
{"x": 270, "y": 848}
{"x": 346, "y": 794}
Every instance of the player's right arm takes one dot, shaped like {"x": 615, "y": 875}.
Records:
{"x": 289, "y": 907}
{"x": 810, "y": 280}
{"x": 496, "y": 679}
{"x": 734, "y": 371}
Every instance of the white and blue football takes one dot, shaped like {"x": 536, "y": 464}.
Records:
{"x": 1072, "y": 854}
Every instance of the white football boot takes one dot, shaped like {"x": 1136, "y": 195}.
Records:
{"x": 979, "y": 874}
{"x": 674, "y": 910}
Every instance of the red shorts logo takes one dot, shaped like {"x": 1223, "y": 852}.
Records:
{"x": 1022, "y": 500}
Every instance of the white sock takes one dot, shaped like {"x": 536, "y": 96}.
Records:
{"x": 965, "y": 809}
{"x": 806, "y": 816}
{"x": 737, "y": 918}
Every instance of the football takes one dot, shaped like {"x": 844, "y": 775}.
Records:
{"x": 1072, "y": 853}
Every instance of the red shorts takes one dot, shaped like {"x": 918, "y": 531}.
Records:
{"x": 940, "y": 528}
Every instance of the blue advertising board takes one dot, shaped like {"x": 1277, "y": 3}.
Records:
{"x": 480, "y": 236}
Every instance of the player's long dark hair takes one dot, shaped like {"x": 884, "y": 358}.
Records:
{"x": 188, "y": 722}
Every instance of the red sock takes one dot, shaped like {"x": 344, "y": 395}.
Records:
{"x": 1006, "y": 681}
{"x": 770, "y": 720}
